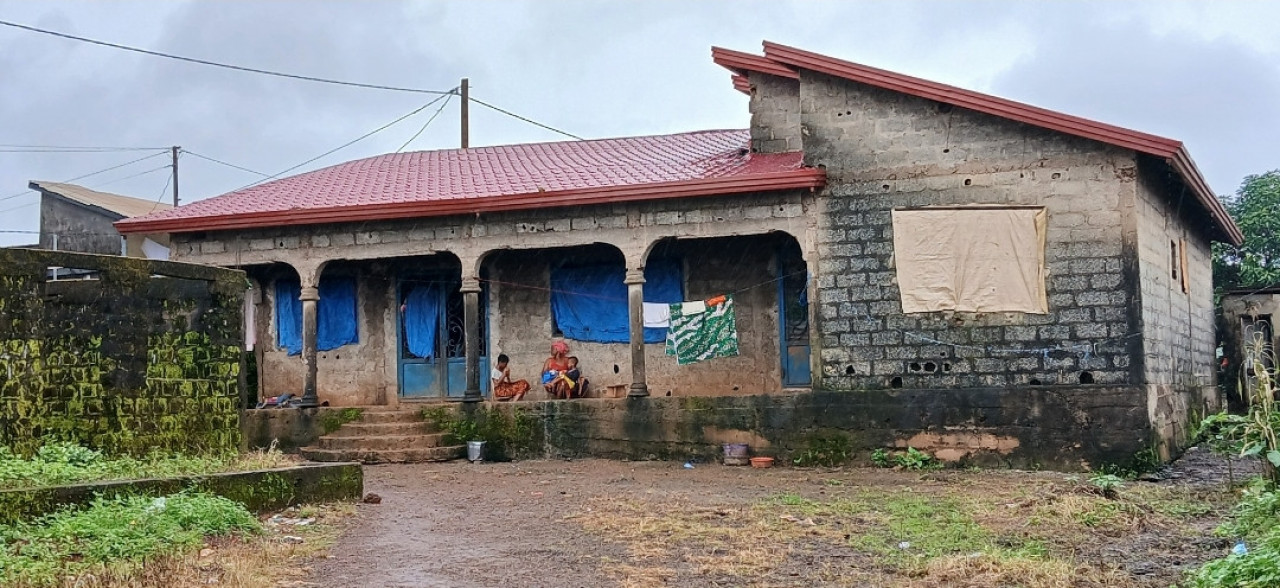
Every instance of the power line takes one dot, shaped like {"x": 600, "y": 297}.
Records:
{"x": 424, "y": 125}
{"x": 143, "y": 173}
{"x": 69, "y": 148}
{"x": 525, "y": 119}
{"x": 348, "y": 143}
{"x": 230, "y": 165}
{"x": 91, "y": 174}
{"x": 217, "y": 64}
{"x": 163, "y": 191}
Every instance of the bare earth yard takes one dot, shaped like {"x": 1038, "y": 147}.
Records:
{"x": 607, "y": 523}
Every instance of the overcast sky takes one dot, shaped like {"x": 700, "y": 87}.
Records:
{"x": 1204, "y": 73}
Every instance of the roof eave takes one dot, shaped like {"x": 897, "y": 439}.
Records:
{"x": 789, "y": 180}
{"x": 743, "y": 63}
{"x": 1186, "y": 167}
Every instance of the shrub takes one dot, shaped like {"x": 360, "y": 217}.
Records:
{"x": 825, "y": 451}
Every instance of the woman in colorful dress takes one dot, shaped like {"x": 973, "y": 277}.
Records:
{"x": 503, "y": 387}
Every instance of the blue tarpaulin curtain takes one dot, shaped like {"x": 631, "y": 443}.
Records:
{"x": 589, "y": 303}
{"x": 336, "y": 315}
{"x": 422, "y": 320}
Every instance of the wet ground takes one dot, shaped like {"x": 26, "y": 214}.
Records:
{"x": 529, "y": 523}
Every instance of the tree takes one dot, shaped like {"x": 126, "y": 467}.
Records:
{"x": 1256, "y": 209}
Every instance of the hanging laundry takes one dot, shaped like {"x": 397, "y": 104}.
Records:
{"x": 657, "y": 315}
{"x": 701, "y": 331}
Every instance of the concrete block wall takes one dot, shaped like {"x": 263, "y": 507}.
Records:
{"x": 775, "y": 114}
{"x": 883, "y": 150}
{"x": 1178, "y": 327}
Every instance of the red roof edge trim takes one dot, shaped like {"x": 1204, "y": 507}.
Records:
{"x": 741, "y": 63}
{"x": 1171, "y": 150}
{"x": 1122, "y": 137}
{"x": 788, "y": 180}
{"x": 741, "y": 84}
{"x": 1186, "y": 167}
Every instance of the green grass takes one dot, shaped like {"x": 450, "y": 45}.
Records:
{"x": 111, "y": 534}
{"x": 1256, "y": 522}
{"x": 66, "y": 463}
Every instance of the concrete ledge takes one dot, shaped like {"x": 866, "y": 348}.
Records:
{"x": 1058, "y": 427}
{"x": 259, "y": 491}
{"x": 291, "y": 428}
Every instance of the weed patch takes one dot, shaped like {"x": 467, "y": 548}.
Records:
{"x": 67, "y": 463}
{"x": 111, "y": 536}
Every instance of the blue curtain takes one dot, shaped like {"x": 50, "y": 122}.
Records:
{"x": 422, "y": 320}
{"x": 289, "y": 316}
{"x": 589, "y": 303}
{"x": 336, "y": 316}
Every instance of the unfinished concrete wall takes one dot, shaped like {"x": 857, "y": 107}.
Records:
{"x": 1087, "y": 426}
{"x": 1239, "y": 350}
{"x": 775, "y": 114}
{"x": 78, "y": 227}
{"x": 146, "y": 357}
{"x": 884, "y": 150}
{"x": 1177, "y": 310}
{"x": 351, "y": 375}
{"x": 521, "y": 324}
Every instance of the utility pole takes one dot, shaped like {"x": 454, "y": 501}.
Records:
{"x": 466, "y": 113}
{"x": 175, "y": 149}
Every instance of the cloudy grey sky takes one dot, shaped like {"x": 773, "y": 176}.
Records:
{"x": 1205, "y": 73}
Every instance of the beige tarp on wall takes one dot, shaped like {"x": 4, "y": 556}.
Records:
{"x": 970, "y": 259}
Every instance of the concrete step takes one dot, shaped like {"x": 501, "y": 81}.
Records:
{"x": 390, "y": 416}
{"x": 352, "y": 443}
{"x": 386, "y": 455}
{"x": 359, "y": 429}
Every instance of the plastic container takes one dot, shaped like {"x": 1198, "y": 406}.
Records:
{"x": 475, "y": 451}
{"x": 762, "y": 462}
{"x": 735, "y": 454}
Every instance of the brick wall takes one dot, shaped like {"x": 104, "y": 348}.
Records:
{"x": 775, "y": 114}
{"x": 145, "y": 358}
{"x": 884, "y": 150}
{"x": 1178, "y": 326}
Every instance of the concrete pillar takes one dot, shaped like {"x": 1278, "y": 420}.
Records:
{"x": 310, "y": 296}
{"x": 471, "y": 319}
{"x": 635, "y": 306}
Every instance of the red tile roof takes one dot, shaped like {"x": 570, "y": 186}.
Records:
{"x": 486, "y": 179}
{"x": 781, "y": 60}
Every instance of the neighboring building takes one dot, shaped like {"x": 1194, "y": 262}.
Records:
{"x": 75, "y": 218}
{"x": 879, "y": 232}
{"x": 1248, "y": 338}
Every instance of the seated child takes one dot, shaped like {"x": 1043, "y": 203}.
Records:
{"x": 503, "y": 387}
{"x": 564, "y": 384}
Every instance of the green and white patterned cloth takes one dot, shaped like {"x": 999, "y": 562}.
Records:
{"x": 699, "y": 332}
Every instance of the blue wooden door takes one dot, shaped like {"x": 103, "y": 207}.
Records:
{"x": 432, "y": 354}
{"x": 793, "y": 317}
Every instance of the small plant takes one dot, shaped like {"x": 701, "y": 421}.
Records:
{"x": 881, "y": 458}
{"x": 914, "y": 459}
{"x": 331, "y": 421}
{"x": 825, "y": 451}
{"x": 1107, "y": 485}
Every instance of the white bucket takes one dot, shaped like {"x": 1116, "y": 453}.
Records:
{"x": 475, "y": 451}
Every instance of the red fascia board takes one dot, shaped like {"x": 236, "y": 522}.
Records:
{"x": 741, "y": 63}
{"x": 1186, "y": 167}
{"x": 741, "y": 84}
{"x": 789, "y": 180}
{"x": 1171, "y": 150}
{"x": 1041, "y": 117}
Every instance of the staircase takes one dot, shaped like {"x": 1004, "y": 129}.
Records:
{"x": 384, "y": 435}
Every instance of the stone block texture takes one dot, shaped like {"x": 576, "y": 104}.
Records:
{"x": 146, "y": 356}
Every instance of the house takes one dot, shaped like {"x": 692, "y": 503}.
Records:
{"x": 1248, "y": 339}
{"x": 75, "y": 218}
{"x": 944, "y": 260}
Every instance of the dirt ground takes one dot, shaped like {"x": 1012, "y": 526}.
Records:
{"x": 609, "y": 523}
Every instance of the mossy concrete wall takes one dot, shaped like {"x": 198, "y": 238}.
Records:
{"x": 145, "y": 356}
{"x": 1052, "y": 427}
{"x": 260, "y": 491}
{"x": 290, "y": 429}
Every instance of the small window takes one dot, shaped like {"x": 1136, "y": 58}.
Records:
{"x": 336, "y": 314}
{"x": 970, "y": 259}
{"x": 1175, "y": 261}
{"x": 1182, "y": 266}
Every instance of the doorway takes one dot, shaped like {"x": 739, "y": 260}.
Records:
{"x": 432, "y": 338}
{"x": 793, "y": 315}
